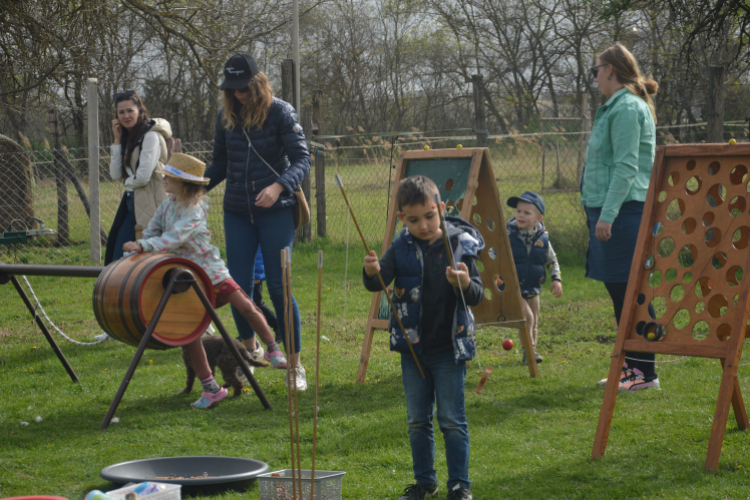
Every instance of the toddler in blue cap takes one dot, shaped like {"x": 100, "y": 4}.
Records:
{"x": 533, "y": 256}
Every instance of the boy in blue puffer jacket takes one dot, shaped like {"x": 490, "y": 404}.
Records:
{"x": 440, "y": 327}
{"x": 532, "y": 255}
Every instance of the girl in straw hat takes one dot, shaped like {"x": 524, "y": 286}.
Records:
{"x": 179, "y": 227}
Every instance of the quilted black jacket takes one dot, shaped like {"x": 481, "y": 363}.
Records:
{"x": 281, "y": 143}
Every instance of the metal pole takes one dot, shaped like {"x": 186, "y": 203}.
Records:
{"x": 33, "y": 270}
{"x": 95, "y": 245}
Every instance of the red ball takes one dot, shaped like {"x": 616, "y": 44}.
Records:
{"x": 507, "y": 344}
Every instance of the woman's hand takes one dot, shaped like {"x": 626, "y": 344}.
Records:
{"x": 603, "y": 230}
{"x": 132, "y": 247}
{"x": 117, "y": 130}
{"x": 269, "y": 195}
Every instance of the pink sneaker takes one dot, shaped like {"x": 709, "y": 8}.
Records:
{"x": 276, "y": 358}
{"x": 208, "y": 398}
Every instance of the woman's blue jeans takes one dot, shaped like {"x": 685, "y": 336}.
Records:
{"x": 444, "y": 383}
{"x": 272, "y": 231}
{"x": 127, "y": 230}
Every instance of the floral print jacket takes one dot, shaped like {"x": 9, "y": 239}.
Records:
{"x": 183, "y": 231}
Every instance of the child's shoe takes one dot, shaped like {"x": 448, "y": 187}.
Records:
{"x": 626, "y": 382}
{"x": 208, "y": 398}
{"x": 276, "y": 358}
{"x": 102, "y": 337}
{"x": 419, "y": 492}
{"x": 538, "y": 357}
{"x": 459, "y": 493}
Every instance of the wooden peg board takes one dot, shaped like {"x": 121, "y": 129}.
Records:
{"x": 467, "y": 185}
{"x": 691, "y": 263}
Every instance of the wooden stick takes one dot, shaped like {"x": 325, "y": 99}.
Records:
{"x": 294, "y": 371}
{"x": 484, "y": 378}
{"x": 449, "y": 252}
{"x": 317, "y": 377}
{"x": 380, "y": 278}
{"x": 284, "y": 275}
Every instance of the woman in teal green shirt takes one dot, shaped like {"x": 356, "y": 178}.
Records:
{"x": 619, "y": 160}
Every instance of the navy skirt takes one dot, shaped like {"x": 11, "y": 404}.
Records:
{"x": 609, "y": 261}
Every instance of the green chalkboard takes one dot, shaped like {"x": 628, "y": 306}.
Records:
{"x": 446, "y": 173}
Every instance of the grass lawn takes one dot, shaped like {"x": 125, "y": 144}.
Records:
{"x": 530, "y": 438}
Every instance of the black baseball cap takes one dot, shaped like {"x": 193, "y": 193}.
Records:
{"x": 528, "y": 197}
{"x": 238, "y": 71}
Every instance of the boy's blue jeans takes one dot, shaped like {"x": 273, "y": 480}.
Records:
{"x": 273, "y": 231}
{"x": 444, "y": 382}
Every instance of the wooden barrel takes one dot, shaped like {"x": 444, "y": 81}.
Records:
{"x": 129, "y": 290}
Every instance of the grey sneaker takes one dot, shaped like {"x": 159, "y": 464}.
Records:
{"x": 419, "y": 491}
{"x": 300, "y": 377}
{"x": 102, "y": 336}
{"x": 459, "y": 493}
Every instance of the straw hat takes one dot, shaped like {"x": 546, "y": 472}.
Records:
{"x": 186, "y": 168}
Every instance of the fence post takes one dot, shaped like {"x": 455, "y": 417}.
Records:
{"x": 92, "y": 100}
{"x": 585, "y": 128}
{"x": 320, "y": 167}
{"x": 175, "y": 119}
{"x": 287, "y": 81}
{"x": 480, "y": 124}
{"x": 715, "y": 105}
{"x": 307, "y": 121}
{"x": 63, "y": 234}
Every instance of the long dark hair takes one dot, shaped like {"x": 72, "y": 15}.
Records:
{"x": 130, "y": 138}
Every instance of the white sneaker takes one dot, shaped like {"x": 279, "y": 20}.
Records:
{"x": 257, "y": 354}
{"x": 300, "y": 378}
{"x": 102, "y": 336}
{"x": 241, "y": 375}
{"x": 209, "y": 331}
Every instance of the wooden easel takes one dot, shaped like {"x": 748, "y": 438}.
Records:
{"x": 692, "y": 243}
{"x": 467, "y": 186}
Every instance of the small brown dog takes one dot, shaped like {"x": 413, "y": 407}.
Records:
{"x": 218, "y": 353}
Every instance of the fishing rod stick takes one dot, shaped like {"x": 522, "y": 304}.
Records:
{"x": 380, "y": 278}
{"x": 294, "y": 371}
{"x": 317, "y": 377}
{"x": 284, "y": 274}
{"x": 452, "y": 261}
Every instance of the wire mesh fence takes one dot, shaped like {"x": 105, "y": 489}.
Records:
{"x": 48, "y": 189}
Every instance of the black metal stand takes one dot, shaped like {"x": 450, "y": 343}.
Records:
{"x": 4, "y": 278}
{"x": 180, "y": 281}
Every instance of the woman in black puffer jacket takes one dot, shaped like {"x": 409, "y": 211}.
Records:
{"x": 260, "y": 150}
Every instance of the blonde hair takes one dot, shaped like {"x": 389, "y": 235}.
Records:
{"x": 190, "y": 194}
{"x": 255, "y": 110}
{"x": 625, "y": 67}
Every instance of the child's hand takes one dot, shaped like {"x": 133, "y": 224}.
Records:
{"x": 458, "y": 278}
{"x": 132, "y": 247}
{"x": 372, "y": 266}
{"x": 556, "y": 289}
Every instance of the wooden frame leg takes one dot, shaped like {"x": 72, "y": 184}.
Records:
{"x": 608, "y": 405}
{"x": 232, "y": 348}
{"x": 43, "y": 328}
{"x": 728, "y": 393}
{"x": 525, "y": 335}
{"x": 364, "y": 357}
{"x": 141, "y": 347}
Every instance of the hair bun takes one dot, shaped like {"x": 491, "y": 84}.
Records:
{"x": 651, "y": 86}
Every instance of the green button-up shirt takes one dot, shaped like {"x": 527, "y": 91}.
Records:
{"x": 620, "y": 155}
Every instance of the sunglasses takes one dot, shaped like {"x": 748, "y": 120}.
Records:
{"x": 595, "y": 70}
{"x": 123, "y": 95}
